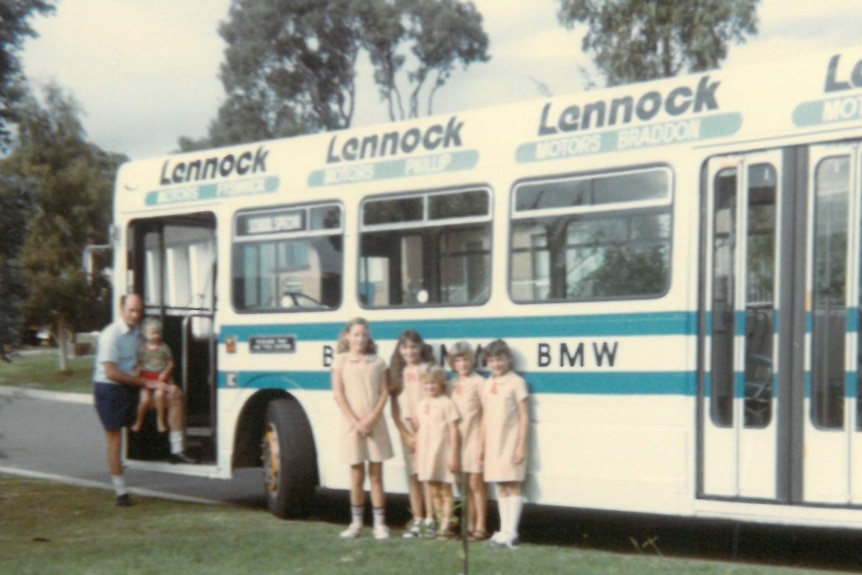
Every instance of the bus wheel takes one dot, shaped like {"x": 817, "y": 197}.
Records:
{"x": 289, "y": 460}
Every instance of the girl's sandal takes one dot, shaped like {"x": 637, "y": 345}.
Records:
{"x": 478, "y": 536}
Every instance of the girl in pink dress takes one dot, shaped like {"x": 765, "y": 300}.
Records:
{"x": 505, "y": 423}
{"x": 360, "y": 385}
{"x": 437, "y": 449}
{"x": 412, "y": 357}
{"x": 466, "y": 393}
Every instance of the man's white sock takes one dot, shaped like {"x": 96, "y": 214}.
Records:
{"x": 119, "y": 485}
{"x": 176, "y": 441}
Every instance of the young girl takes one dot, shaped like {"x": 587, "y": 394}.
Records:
{"x": 155, "y": 363}
{"x": 505, "y": 423}
{"x": 360, "y": 385}
{"x": 466, "y": 393}
{"x": 437, "y": 449}
{"x": 411, "y": 358}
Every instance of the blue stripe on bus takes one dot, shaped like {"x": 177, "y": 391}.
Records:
{"x": 852, "y": 320}
{"x": 604, "y": 325}
{"x": 586, "y": 383}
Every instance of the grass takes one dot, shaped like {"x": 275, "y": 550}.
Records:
{"x": 38, "y": 368}
{"x": 49, "y": 528}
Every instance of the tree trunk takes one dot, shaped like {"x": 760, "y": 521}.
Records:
{"x": 63, "y": 343}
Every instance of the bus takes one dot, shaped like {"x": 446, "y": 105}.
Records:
{"x": 677, "y": 266}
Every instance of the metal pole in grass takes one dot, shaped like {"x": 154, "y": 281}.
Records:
{"x": 465, "y": 516}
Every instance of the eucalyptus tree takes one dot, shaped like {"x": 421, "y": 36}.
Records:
{"x": 633, "y": 40}
{"x": 290, "y": 66}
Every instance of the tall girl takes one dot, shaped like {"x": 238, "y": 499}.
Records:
{"x": 437, "y": 448}
{"x": 360, "y": 385}
{"x": 505, "y": 423}
{"x": 411, "y": 358}
{"x": 466, "y": 393}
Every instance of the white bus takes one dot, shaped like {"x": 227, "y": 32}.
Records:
{"x": 677, "y": 266}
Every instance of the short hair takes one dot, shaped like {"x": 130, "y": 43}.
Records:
{"x": 151, "y": 323}
{"x": 436, "y": 374}
{"x": 461, "y": 349}
{"x": 498, "y": 348}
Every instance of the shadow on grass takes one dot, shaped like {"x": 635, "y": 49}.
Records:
{"x": 646, "y": 534}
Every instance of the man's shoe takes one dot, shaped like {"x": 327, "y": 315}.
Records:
{"x": 180, "y": 457}
{"x": 124, "y": 500}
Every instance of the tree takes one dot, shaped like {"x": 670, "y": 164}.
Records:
{"x": 14, "y": 29}
{"x": 290, "y": 66}
{"x": 72, "y": 180}
{"x": 437, "y": 34}
{"x": 633, "y": 41}
{"x": 16, "y": 205}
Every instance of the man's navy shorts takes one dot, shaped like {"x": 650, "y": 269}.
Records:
{"x": 116, "y": 404}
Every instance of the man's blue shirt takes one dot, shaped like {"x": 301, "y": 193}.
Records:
{"x": 117, "y": 344}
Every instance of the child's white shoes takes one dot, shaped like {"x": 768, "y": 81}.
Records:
{"x": 352, "y": 531}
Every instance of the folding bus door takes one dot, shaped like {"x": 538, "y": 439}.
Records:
{"x": 832, "y": 423}
{"x": 740, "y": 311}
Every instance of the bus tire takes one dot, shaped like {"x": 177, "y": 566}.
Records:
{"x": 289, "y": 460}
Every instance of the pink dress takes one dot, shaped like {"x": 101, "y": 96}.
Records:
{"x": 408, "y": 400}
{"x": 500, "y": 399}
{"x": 363, "y": 383}
{"x": 467, "y": 395}
{"x": 432, "y": 442}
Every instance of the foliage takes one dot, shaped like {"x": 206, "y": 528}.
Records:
{"x": 16, "y": 205}
{"x": 633, "y": 41}
{"x": 627, "y": 271}
{"x": 14, "y": 29}
{"x": 72, "y": 181}
{"x": 290, "y": 67}
{"x": 438, "y": 35}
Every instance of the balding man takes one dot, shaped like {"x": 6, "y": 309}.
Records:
{"x": 116, "y": 387}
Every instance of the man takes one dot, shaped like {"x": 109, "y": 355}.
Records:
{"x": 116, "y": 388}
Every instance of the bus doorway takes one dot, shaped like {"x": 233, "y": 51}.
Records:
{"x": 172, "y": 264}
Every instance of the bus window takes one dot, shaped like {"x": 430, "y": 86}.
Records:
{"x": 288, "y": 259}
{"x": 177, "y": 264}
{"x": 589, "y": 238}
{"x": 426, "y": 249}
{"x": 829, "y": 292}
{"x": 760, "y": 294}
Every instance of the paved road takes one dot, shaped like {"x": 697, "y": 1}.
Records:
{"x": 59, "y": 436}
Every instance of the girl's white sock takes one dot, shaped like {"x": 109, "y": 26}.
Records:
{"x": 516, "y": 505}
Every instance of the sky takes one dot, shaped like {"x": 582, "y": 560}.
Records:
{"x": 146, "y": 72}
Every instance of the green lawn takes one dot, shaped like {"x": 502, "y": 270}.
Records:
{"x": 38, "y": 368}
{"x": 49, "y": 528}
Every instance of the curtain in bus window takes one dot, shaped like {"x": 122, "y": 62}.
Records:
{"x": 829, "y": 291}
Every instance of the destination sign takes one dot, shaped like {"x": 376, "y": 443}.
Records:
{"x": 272, "y": 344}
{"x": 272, "y": 222}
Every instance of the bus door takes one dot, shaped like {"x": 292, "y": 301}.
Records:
{"x": 832, "y": 423}
{"x": 739, "y": 450}
{"x": 172, "y": 264}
